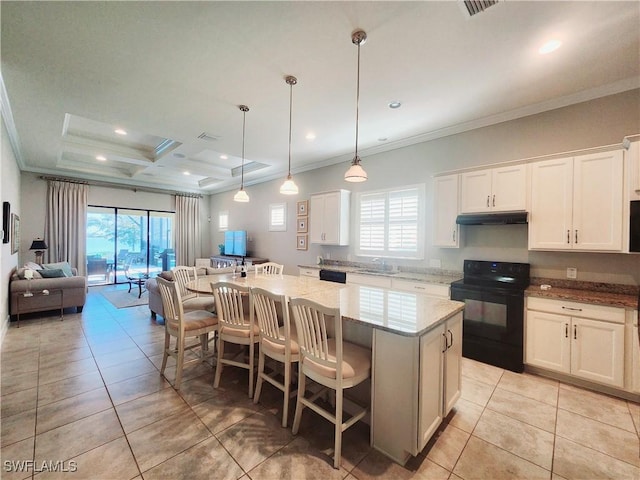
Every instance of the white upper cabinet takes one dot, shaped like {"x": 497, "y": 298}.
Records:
{"x": 577, "y": 203}
{"x": 329, "y": 218}
{"x": 445, "y": 211}
{"x": 500, "y": 189}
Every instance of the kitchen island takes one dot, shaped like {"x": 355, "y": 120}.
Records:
{"x": 416, "y": 343}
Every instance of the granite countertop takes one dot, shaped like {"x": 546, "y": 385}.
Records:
{"x": 433, "y": 276}
{"x": 609, "y": 294}
{"x": 356, "y": 302}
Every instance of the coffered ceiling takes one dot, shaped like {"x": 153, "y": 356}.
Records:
{"x": 172, "y": 74}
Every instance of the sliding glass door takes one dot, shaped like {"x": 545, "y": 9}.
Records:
{"x": 125, "y": 243}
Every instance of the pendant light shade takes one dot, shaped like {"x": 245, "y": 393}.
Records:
{"x": 289, "y": 187}
{"x": 356, "y": 173}
{"x": 241, "y": 195}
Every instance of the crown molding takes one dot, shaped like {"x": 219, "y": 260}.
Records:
{"x": 7, "y": 116}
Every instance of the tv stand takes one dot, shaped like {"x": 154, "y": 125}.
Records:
{"x": 228, "y": 260}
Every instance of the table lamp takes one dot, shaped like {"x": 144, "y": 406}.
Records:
{"x": 39, "y": 245}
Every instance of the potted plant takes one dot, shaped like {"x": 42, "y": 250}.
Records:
{"x": 221, "y": 248}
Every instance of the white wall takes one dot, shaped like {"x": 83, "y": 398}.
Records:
{"x": 599, "y": 122}
{"x": 9, "y": 192}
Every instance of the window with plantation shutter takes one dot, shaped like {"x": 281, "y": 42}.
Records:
{"x": 278, "y": 217}
{"x": 390, "y": 222}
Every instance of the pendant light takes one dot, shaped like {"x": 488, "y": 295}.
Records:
{"x": 289, "y": 187}
{"x": 356, "y": 173}
{"x": 241, "y": 195}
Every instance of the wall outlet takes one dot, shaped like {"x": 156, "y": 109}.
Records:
{"x": 435, "y": 263}
{"x": 572, "y": 272}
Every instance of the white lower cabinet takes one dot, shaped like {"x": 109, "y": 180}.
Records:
{"x": 414, "y": 387}
{"x": 369, "y": 280}
{"x": 634, "y": 354}
{"x": 586, "y": 341}
{"x": 309, "y": 272}
{"x": 432, "y": 289}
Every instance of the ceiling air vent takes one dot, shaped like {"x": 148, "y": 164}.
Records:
{"x": 248, "y": 167}
{"x": 208, "y": 137}
{"x": 473, "y": 7}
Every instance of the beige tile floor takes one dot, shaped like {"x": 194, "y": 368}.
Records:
{"x": 87, "y": 390}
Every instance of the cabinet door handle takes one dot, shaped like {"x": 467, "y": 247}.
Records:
{"x": 444, "y": 335}
{"x": 494, "y": 200}
{"x": 575, "y": 332}
{"x": 566, "y": 330}
{"x": 572, "y": 309}
{"x": 576, "y": 236}
{"x": 568, "y": 236}
{"x": 450, "y": 333}
{"x": 488, "y": 200}
{"x": 454, "y": 234}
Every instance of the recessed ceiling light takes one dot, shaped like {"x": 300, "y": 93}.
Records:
{"x": 120, "y": 131}
{"x": 550, "y": 46}
{"x": 395, "y": 104}
{"x": 224, "y": 157}
{"x": 310, "y": 136}
{"x": 102, "y": 158}
{"x": 186, "y": 173}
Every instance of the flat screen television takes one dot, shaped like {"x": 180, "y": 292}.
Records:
{"x": 235, "y": 243}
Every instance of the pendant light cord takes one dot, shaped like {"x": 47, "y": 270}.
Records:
{"x": 290, "y": 121}
{"x": 357, "y": 103}
{"x": 244, "y": 119}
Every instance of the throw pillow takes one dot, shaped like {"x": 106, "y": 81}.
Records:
{"x": 32, "y": 266}
{"x": 64, "y": 266}
{"x": 52, "y": 273}
{"x": 20, "y": 273}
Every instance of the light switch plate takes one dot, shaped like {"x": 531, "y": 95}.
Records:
{"x": 572, "y": 272}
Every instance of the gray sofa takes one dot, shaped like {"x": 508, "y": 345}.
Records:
{"x": 74, "y": 292}
{"x": 203, "y": 302}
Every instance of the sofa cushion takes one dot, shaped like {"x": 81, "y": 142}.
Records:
{"x": 167, "y": 275}
{"x": 53, "y": 273}
{"x": 64, "y": 266}
{"x": 33, "y": 266}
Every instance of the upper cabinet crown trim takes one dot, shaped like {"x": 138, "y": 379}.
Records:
{"x": 550, "y": 156}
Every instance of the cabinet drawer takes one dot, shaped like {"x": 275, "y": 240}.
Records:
{"x": 309, "y": 272}
{"x": 426, "y": 288}
{"x": 576, "y": 309}
{"x": 369, "y": 280}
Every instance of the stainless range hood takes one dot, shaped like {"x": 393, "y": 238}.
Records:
{"x": 510, "y": 218}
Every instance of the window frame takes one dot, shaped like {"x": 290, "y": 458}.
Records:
{"x": 221, "y": 214}
{"x": 278, "y": 227}
{"x": 418, "y": 254}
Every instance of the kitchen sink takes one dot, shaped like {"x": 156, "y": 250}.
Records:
{"x": 372, "y": 271}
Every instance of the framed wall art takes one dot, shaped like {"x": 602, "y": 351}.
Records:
{"x": 301, "y": 242}
{"x": 15, "y": 233}
{"x": 303, "y": 207}
{"x": 302, "y": 225}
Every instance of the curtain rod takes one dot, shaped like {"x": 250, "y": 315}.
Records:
{"x": 133, "y": 188}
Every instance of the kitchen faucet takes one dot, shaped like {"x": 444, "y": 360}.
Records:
{"x": 380, "y": 261}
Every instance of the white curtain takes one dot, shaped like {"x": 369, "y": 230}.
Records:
{"x": 187, "y": 230}
{"x": 66, "y": 223}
